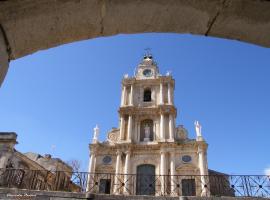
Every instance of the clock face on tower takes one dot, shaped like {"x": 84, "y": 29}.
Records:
{"x": 147, "y": 72}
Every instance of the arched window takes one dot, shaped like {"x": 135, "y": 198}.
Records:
{"x": 147, "y": 95}
{"x": 146, "y": 130}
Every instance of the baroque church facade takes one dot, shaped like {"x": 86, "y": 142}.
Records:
{"x": 148, "y": 154}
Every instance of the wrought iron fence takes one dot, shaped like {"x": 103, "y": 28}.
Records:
{"x": 138, "y": 184}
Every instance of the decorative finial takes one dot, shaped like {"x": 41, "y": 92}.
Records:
{"x": 96, "y": 133}
{"x": 125, "y": 75}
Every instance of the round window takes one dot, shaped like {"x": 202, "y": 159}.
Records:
{"x": 107, "y": 159}
{"x": 186, "y": 158}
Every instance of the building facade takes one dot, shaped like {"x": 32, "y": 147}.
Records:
{"x": 148, "y": 154}
{"x": 31, "y": 170}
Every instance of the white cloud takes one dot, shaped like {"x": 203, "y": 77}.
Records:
{"x": 267, "y": 171}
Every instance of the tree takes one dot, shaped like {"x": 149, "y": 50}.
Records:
{"x": 78, "y": 177}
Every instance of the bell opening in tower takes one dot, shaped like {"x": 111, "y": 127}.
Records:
{"x": 147, "y": 95}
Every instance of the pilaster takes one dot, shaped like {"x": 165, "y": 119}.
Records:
{"x": 163, "y": 171}
{"x": 122, "y": 128}
{"x": 172, "y": 170}
{"x": 91, "y": 171}
{"x": 171, "y": 128}
{"x": 131, "y": 96}
{"x": 162, "y": 132}
{"x": 169, "y": 94}
{"x": 129, "y": 131}
{"x": 202, "y": 164}
{"x": 117, "y": 172}
{"x": 123, "y": 97}
{"x": 161, "y": 99}
{"x": 127, "y": 172}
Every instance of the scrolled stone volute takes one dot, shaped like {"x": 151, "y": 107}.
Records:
{"x": 113, "y": 135}
{"x": 181, "y": 133}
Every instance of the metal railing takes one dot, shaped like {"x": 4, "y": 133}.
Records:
{"x": 137, "y": 184}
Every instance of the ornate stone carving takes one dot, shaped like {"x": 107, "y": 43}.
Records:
{"x": 181, "y": 133}
{"x": 113, "y": 135}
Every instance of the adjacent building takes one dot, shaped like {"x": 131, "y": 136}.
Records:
{"x": 31, "y": 170}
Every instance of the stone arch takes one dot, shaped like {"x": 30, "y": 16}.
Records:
{"x": 48, "y": 24}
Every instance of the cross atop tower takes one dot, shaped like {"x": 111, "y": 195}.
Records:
{"x": 148, "y": 53}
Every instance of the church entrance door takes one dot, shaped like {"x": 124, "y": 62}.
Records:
{"x": 188, "y": 187}
{"x": 145, "y": 184}
{"x": 105, "y": 186}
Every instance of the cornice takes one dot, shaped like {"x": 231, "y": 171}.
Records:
{"x": 156, "y": 110}
{"x": 154, "y": 81}
{"x": 100, "y": 148}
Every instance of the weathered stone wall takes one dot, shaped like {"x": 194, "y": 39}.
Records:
{"x": 30, "y": 25}
{"x": 4, "y": 57}
{"x": 33, "y": 25}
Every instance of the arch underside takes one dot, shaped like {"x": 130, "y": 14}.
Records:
{"x": 33, "y": 25}
{"x": 29, "y": 26}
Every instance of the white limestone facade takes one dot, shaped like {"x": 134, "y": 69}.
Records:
{"x": 148, "y": 141}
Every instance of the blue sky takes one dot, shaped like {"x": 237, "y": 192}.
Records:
{"x": 56, "y": 96}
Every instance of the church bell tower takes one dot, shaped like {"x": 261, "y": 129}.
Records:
{"x": 147, "y": 111}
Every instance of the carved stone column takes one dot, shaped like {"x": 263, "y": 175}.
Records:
{"x": 163, "y": 171}
{"x": 91, "y": 172}
{"x": 172, "y": 170}
{"x": 169, "y": 94}
{"x": 129, "y": 128}
{"x": 171, "y": 127}
{"x": 127, "y": 173}
{"x": 123, "y": 97}
{"x": 122, "y": 127}
{"x": 161, "y": 100}
{"x": 117, "y": 177}
{"x": 203, "y": 171}
{"x": 162, "y": 132}
{"x": 131, "y": 96}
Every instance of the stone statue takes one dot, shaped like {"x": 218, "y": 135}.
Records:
{"x": 168, "y": 73}
{"x": 198, "y": 129}
{"x": 146, "y": 132}
{"x": 96, "y": 133}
